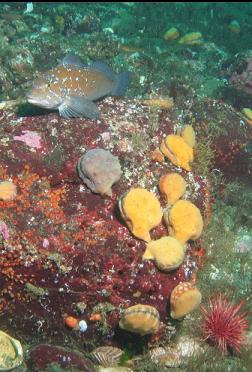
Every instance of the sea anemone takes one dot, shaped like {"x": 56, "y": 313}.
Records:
{"x": 223, "y": 325}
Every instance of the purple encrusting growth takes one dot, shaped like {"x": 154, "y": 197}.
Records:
{"x": 4, "y": 231}
{"x": 30, "y": 138}
{"x": 72, "y": 87}
{"x": 99, "y": 169}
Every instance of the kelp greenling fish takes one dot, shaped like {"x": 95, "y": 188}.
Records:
{"x": 71, "y": 87}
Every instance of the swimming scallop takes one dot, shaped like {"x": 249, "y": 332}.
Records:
{"x": 176, "y": 149}
{"x": 192, "y": 38}
{"x": 141, "y": 319}
{"x": 99, "y": 170}
{"x": 184, "y": 221}
{"x": 172, "y": 186}
{"x": 141, "y": 211}
{"x": 185, "y": 298}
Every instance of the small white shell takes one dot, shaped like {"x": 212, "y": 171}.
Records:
{"x": 82, "y": 326}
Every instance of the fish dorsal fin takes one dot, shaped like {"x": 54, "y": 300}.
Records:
{"x": 103, "y": 67}
{"x": 72, "y": 59}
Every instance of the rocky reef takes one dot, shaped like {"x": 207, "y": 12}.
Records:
{"x": 110, "y": 233}
{"x": 68, "y": 250}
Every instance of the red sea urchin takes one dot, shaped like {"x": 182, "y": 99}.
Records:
{"x": 223, "y": 325}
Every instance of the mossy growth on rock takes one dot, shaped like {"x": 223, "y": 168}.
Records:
{"x": 204, "y": 158}
{"x": 227, "y": 268}
{"x": 213, "y": 360}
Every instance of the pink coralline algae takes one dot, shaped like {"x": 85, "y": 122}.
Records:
{"x": 31, "y": 139}
{"x": 4, "y": 231}
{"x": 243, "y": 81}
{"x": 99, "y": 169}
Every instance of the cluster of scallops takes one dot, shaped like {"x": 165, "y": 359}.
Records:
{"x": 142, "y": 212}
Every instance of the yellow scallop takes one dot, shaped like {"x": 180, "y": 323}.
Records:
{"x": 167, "y": 252}
{"x": 171, "y": 34}
{"x": 175, "y": 148}
{"x": 184, "y": 221}
{"x": 192, "y": 38}
{"x": 173, "y": 186}
{"x": 184, "y": 299}
{"x": 141, "y": 319}
{"x": 8, "y": 190}
{"x": 141, "y": 211}
{"x": 188, "y": 135}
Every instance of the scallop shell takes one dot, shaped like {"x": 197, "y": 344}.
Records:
{"x": 11, "y": 352}
{"x": 192, "y": 38}
{"x": 172, "y": 186}
{"x": 141, "y": 212}
{"x": 142, "y": 319}
{"x": 157, "y": 354}
{"x": 164, "y": 356}
{"x": 185, "y": 298}
{"x": 99, "y": 170}
{"x": 106, "y": 355}
{"x": 167, "y": 252}
{"x": 184, "y": 221}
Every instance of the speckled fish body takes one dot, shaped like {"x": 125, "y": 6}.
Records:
{"x": 72, "y": 88}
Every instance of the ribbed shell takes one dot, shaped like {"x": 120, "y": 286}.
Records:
{"x": 157, "y": 354}
{"x": 142, "y": 319}
{"x": 164, "y": 356}
{"x": 185, "y": 297}
{"x": 106, "y": 356}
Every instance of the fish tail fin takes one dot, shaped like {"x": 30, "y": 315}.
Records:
{"x": 121, "y": 84}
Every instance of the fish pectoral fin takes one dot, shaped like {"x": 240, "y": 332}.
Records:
{"x": 76, "y": 107}
{"x": 72, "y": 59}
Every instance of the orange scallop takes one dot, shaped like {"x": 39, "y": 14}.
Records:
{"x": 8, "y": 190}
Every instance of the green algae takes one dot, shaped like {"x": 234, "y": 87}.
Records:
{"x": 35, "y": 291}
{"x": 204, "y": 158}
{"x": 227, "y": 269}
{"x": 139, "y": 141}
{"x": 212, "y": 360}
